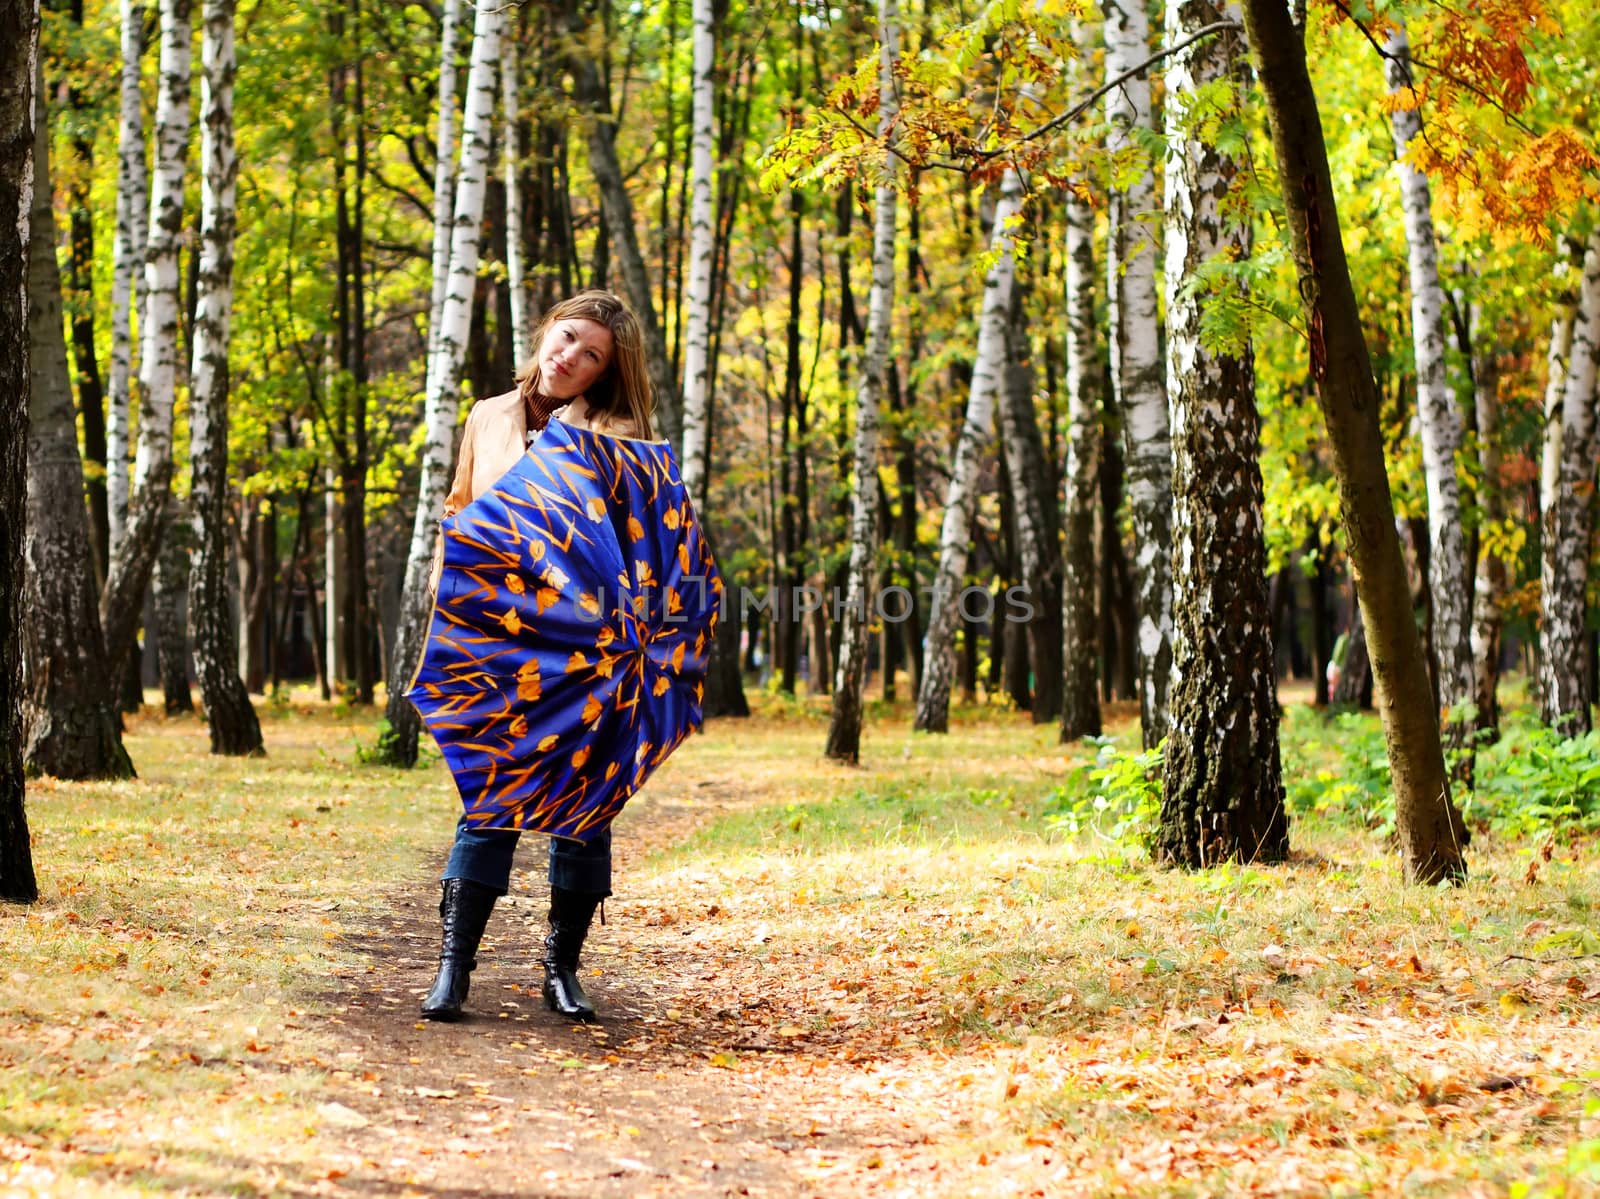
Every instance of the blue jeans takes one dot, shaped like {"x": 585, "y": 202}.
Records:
{"x": 484, "y": 855}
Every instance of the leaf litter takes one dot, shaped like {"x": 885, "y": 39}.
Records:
{"x": 806, "y": 991}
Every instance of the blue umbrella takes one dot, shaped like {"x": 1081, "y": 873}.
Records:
{"x": 567, "y": 649}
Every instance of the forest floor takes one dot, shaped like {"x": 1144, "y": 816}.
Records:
{"x": 813, "y": 981}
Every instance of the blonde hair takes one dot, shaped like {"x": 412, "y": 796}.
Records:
{"x": 622, "y": 393}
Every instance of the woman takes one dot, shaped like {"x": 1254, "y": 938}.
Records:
{"x": 587, "y": 370}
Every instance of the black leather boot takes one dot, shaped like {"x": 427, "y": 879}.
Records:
{"x": 570, "y": 915}
{"x": 464, "y": 908}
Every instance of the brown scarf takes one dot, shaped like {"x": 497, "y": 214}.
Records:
{"x": 539, "y": 407}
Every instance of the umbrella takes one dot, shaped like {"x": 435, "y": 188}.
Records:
{"x": 566, "y": 653}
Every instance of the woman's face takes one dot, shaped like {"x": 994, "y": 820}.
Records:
{"x": 575, "y": 352}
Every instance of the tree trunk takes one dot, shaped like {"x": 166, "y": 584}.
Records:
{"x": 1430, "y": 830}
{"x": 444, "y": 174}
{"x": 127, "y": 257}
{"x": 844, "y": 729}
{"x": 1222, "y": 780}
{"x": 1567, "y": 506}
{"x": 135, "y": 555}
{"x": 933, "y": 700}
{"x": 233, "y": 725}
{"x": 442, "y": 401}
{"x": 516, "y": 285}
{"x": 1035, "y": 527}
{"x": 70, "y": 725}
{"x": 1438, "y": 416}
{"x": 1489, "y": 589}
{"x": 1136, "y": 363}
{"x": 1354, "y": 688}
{"x": 19, "y": 25}
{"x": 169, "y": 590}
{"x": 697, "y": 342}
{"x": 1119, "y": 618}
{"x": 80, "y": 282}
{"x": 1080, "y": 632}
{"x": 590, "y": 93}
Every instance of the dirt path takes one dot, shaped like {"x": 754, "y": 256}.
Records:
{"x": 692, "y": 1084}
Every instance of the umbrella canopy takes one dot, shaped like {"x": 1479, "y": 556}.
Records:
{"x": 567, "y": 649}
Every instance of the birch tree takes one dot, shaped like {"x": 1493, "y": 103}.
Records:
{"x": 444, "y": 174}
{"x": 1080, "y": 618}
{"x": 1438, "y": 415}
{"x": 617, "y": 208}
{"x": 844, "y": 729}
{"x": 1431, "y": 833}
{"x": 1037, "y": 534}
{"x": 1222, "y": 792}
{"x": 19, "y": 31}
{"x": 697, "y": 339}
{"x": 213, "y": 639}
{"x": 1136, "y": 370}
{"x": 70, "y": 719}
{"x": 1567, "y": 509}
{"x": 129, "y": 575}
{"x": 127, "y": 264}
{"x": 442, "y": 398}
{"x": 961, "y": 498}
{"x": 516, "y": 284}
{"x": 1488, "y": 590}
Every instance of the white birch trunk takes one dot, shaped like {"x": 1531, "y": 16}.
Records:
{"x": 844, "y": 731}
{"x": 1080, "y": 627}
{"x": 158, "y": 349}
{"x": 1555, "y": 388}
{"x": 442, "y": 400}
{"x": 444, "y": 172}
{"x": 697, "y": 337}
{"x": 1222, "y": 793}
{"x": 127, "y": 258}
{"x": 213, "y": 640}
{"x": 1438, "y": 415}
{"x": 521, "y": 343}
{"x": 129, "y": 571}
{"x": 1136, "y": 367}
{"x": 955, "y": 538}
{"x": 1569, "y": 521}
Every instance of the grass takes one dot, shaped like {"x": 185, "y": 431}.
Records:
{"x": 1052, "y": 1015}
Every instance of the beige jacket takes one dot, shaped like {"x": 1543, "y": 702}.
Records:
{"x": 495, "y": 437}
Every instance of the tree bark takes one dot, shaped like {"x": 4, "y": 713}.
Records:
{"x": 600, "y": 125}
{"x": 1567, "y": 505}
{"x": 1430, "y": 830}
{"x": 442, "y": 402}
{"x": 1222, "y": 784}
{"x": 1438, "y": 417}
{"x": 1136, "y": 373}
{"x": 1489, "y": 589}
{"x": 697, "y": 342}
{"x": 444, "y": 173}
{"x": 70, "y": 724}
{"x": 80, "y": 285}
{"x": 844, "y": 728}
{"x": 933, "y": 700}
{"x": 1035, "y": 528}
{"x": 511, "y": 151}
{"x": 19, "y": 24}
{"x": 1080, "y": 621}
{"x": 169, "y": 595}
{"x": 233, "y": 725}
{"x": 127, "y": 257}
{"x": 134, "y": 558}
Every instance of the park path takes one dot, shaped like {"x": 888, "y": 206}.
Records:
{"x": 705, "y": 1076}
